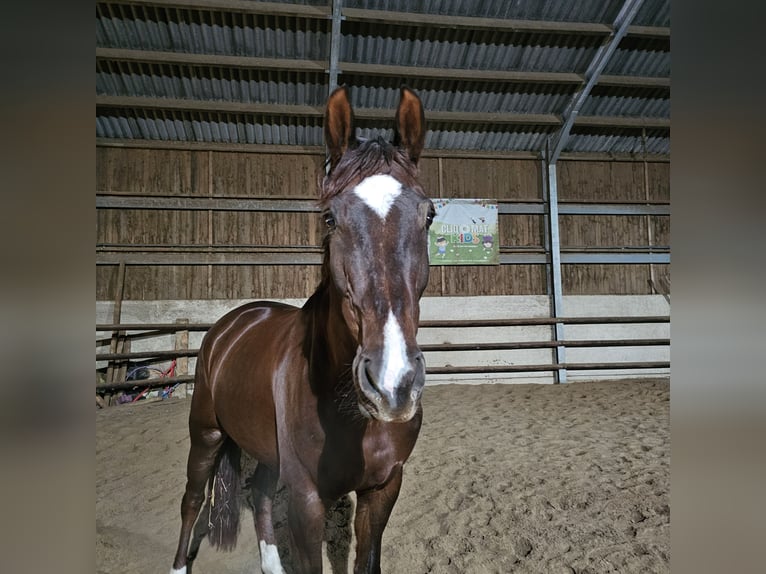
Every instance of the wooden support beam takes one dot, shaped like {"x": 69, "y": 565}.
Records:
{"x": 241, "y": 6}
{"x": 354, "y": 68}
{"x": 207, "y": 258}
{"x": 474, "y": 23}
{"x": 210, "y": 146}
{"x": 319, "y": 150}
{"x": 216, "y": 60}
{"x": 324, "y": 12}
{"x": 130, "y": 201}
{"x": 434, "y": 117}
{"x": 507, "y": 25}
{"x": 622, "y": 122}
{"x": 633, "y": 81}
{"x": 460, "y": 74}
{"x": 189, "y": 105}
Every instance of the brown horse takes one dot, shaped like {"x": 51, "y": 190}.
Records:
{"x": 327, "y": 396}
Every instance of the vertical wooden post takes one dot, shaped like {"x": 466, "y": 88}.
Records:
{"x": 182, "y": 363}
{"x": 123, "y": 346}
{"x": 116, "y": 344}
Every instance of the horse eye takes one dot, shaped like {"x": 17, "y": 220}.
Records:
{"x": 329, "y": 220}
{"x": 430, "y": 218}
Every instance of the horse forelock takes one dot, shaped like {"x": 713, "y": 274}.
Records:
{"x": 371, "y": 157}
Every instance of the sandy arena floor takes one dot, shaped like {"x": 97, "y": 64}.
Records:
{"x": 505, "y": 478}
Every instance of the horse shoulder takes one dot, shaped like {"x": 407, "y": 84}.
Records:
{"x": 251, "y": 355}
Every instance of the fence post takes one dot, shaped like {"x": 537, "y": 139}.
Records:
{"x": 551, "y": 197}
{"x": 115, "y": 373}
{"x": 182, "y": 363}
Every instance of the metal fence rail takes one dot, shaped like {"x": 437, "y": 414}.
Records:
{"x": 143, "y": 330}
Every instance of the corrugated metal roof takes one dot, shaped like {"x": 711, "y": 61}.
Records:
{"x": 493, "y": 75}
{"x": 372, "y": 43}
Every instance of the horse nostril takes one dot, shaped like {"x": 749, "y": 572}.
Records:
{"x": 369, "y": 376}
{"x": 420, "y": 362}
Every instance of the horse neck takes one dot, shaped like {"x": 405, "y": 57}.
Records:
{"x": 332, "y": 344}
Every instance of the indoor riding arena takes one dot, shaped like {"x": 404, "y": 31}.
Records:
{"x": 538, "y": 176}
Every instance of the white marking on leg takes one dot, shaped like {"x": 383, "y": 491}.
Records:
{"x": 181, "y": 570}
{"x": 395, "y": 363}
{"x": 270, "y": 563}
{"x": 379, "y": 192}
{"x": 326, "y": 564}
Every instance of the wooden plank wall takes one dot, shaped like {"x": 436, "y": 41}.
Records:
{"x": 230, "y": 174}
{"x": 612, "y": 182}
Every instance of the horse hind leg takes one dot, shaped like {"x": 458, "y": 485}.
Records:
{"x": 201, "y": 531}
{"x": 205, "y": 445}
{"x": 206, "y": 438}
{"x": 263, "y": 486}
{"x": 220, "y": 520}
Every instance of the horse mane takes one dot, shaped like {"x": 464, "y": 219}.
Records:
{"x": 370, "y": 157}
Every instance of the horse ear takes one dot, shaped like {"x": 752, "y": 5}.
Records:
{"x": 338, "y": 124}
{"x": 410, "y": 128}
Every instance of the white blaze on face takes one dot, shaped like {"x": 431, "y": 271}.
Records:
{"x": 379, "y": 193}
{"x": 270, "y": 563}
{"x": 395, "y": 364}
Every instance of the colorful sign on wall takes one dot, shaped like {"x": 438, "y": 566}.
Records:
{"x": 464, "y": 232}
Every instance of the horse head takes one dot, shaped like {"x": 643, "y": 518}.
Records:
{"x": 376, "y": 251}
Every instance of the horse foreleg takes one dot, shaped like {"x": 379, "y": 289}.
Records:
{"x": 263, "y": 486}
{"x": 305, "y": 518}
{"x": 205, "y": 445}
{"x": 373, "y": 509}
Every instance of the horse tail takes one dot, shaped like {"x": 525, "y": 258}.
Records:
{"x": 223, "y": 498}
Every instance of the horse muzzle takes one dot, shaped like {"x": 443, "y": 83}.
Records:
{"x": 389, "y": 389}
